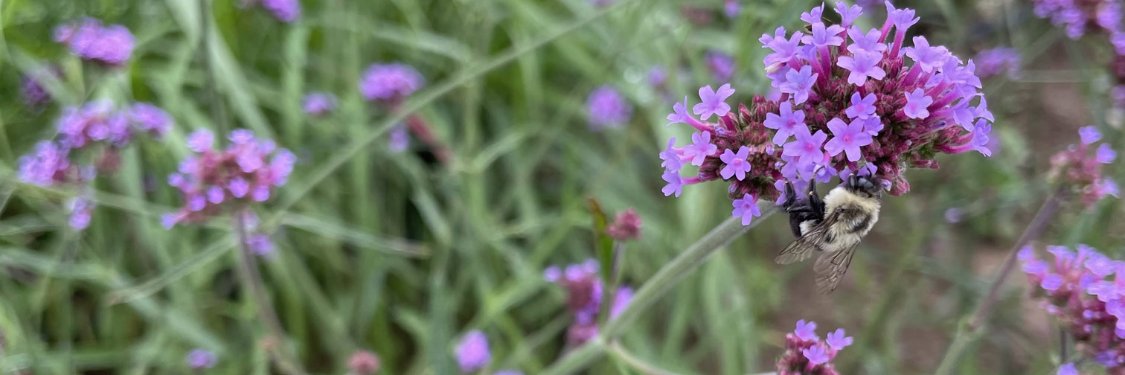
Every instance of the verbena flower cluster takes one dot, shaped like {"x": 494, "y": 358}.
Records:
{"x": 31, "y": 86}
{"x": 851, "y": 101}
{"x": 90, "y": 40}
{"x": 363, "y": 362}
{"x": 1079, "y": 167}
{"x": 806, "y": 354}
{"x": 998, "y": 61}
{"x": 473, "y": 352}
{"x": 318, "y": 103}
{"x": 626, "y": 226}
{"x": 1078, "y": 17}
{"x": 1085, "y": 290}
{"x": 200, "y": 359}
{"x": 287, "y": 11}
{"x": 584, "y": 290}
{"x": 88, "y": 141}
{"x": 389, "y": 83}
{"x": 247, "y": 171}
{"x": 607, "y": 108}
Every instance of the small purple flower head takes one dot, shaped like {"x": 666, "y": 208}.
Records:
{"x": 868, "y": 42}
{"x": 736, "y": 164}
{"x": 472, "y": 352}
{"x": 399, "y": 139}
{"x": 1089, "y": 134}
{"x": 319, "y": 103}
{"x": 657, "y": 77}
{"x": 954, "y": 215}
{"x": 626, "y": 226}
{"x": 200, "y": 359}
{"x": 713, "y": 102}
{"x": 389, "y": 83}
{"x": 247, "y": 171}
{"x": 862, "y": 65}
{"x": 927, "y": 57}
{"x": 607, "y": 108}
{"x": 700, "y": 148}
{"x": 150, "y": 118}
{"x": 675, "y": 183}
{"x": 731, "y": 8}
{"x": 746, "y": 208}
{"x": 621, "y": 300}
{"x": 47, "y": 165}
{"x": 785, "y": 123}
{"x": 847, "y": 138}
{"x": 814, "y": 15}
{"x": 1105, "y": 154}
{"x": 806, "y": 330}
{"x": 1068, "y": 369}
{"x": 799, "y": 83}
{"x": 90, "y": 40}
{"x": 997, "y": 61}
{"x": 364, "y": 362}
{"x": 807, "y": 148}
{"x": 848, "y": 13}
{"x": 721, "y": 65}
{"x": 824, "y": 36}
{"x": 838, "y": 340}
{"x": 862, "y": 107}
{"x": 917, "y": 103}
{"x": 81, "y": 209}
{"x": 816, "y": 355}
{"x": 284, "y": 10}
{"x": 31, "y": 86}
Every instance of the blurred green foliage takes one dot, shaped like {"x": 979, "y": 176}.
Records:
{"x": 397, "y": 254}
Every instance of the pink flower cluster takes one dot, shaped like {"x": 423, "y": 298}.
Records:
{"x": 851, "y": 101}
{"x": 1081, "y": 16}
{"x": 247, "y": 170}
{"x": 1085, "y": 290}
{"x": 90, "y": 40}
{"x": 1080, "y": 167}
{"x": 584, "y": 298}
{"x": 88, "y": 142}
{"x": 806, "y": 354}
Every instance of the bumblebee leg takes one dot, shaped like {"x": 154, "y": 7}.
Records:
{"x": 790, "y": 196}
{"x": 816, "y": 205}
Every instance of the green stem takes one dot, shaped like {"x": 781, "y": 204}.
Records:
{"x": 974, "y": 326}
{"x": 636, "y": 363}
{"x": 660, "y": 283}
{"x": 255, "y": 287}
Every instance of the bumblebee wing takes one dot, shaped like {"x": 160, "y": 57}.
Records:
{"x": 804, "y": 247}
{"x": 831, "y": 267}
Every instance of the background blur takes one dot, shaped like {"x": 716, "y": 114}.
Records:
{"x": 401, "y": 255}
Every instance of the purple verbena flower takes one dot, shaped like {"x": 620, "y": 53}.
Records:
{"x": 798, "y": 83}
{"x": 713, "y": 102}
{"x": 364, "y": 362}
{"x": 721, "y": 65}
{"x": 248, "y": 170}
{"x": 607, "y": 108}
{"x": 150, "y": 118}
{"x": 806, "y": 354}
{"x": 862, "y": 65}
{"x": 399, "y": 139}
{"x": 847, "y": 138}
{"x": 997, "y": 61}
{"x": 735, "y": 163}
{"x": 389, "y": 83}
{"x": 284, "y": 10}
{"x": 917, "y": 103}
{"x": 90, "y": 40}
{"x": 473, "y": 352}
{"x": 200, "y": 359}
{"x": 318, "y": 103}
{"x": 1089, "y": 134}
{"x": 785, "y": 122}
{"x": 862, "y": 107}
{"x": 807, "y": 148}
{"x": 746, "y": 208}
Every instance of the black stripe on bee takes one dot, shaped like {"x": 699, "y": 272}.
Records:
{"x": 861, "y": 225}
